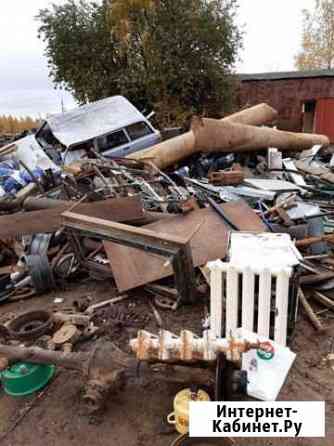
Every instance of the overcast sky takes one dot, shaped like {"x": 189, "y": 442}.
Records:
{"x": 272, "y": 38}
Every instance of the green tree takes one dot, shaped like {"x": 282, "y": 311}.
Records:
{"x": 81, "y": 53}
{"x": 173, "y": 56}
{"x": 318, "y": 37}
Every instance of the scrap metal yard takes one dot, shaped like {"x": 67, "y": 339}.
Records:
{"x": 167, "y": 223}
{"x": 106, "y": 261}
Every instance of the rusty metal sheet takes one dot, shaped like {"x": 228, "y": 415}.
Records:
{"x": 243, "y": 216}
{"x": 208, "y": 241}
{"x": 49, "y": 220}
{"x": 175, "y": 249}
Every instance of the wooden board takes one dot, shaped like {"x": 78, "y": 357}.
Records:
{"x": 208, "y": 241}
{"x": 49, "y": 220}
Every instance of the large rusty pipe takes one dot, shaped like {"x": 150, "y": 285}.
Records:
{"x": 212, "y": 135}
{"x": 258, "y": 115}
{"x": 181, "y": 147}
{"x": 169, "y": 152}
{"x": 36, "y": 204}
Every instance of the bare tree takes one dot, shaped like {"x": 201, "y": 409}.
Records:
{"x": 318, "y": 37}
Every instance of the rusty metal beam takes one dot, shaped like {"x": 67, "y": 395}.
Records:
{"x": 49, "y": 220}
{"x": 176, "y": 249}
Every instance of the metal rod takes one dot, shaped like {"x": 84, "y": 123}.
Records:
{"x": 222, "y": 214}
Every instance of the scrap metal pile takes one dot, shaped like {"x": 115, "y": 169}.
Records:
{"x": 153, "y": 222}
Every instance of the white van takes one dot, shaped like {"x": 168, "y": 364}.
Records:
{"x": 113, "y": 126}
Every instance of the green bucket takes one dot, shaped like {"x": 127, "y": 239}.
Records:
{"x": 24, "y": 378}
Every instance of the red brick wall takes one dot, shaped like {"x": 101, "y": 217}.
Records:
{"x": 286, "y": 96}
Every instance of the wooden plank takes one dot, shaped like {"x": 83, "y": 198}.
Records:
{"x": 49, "y": 220}
{"x": 324, "y": 300}
{"x": 310, "y": 313}
{"x": 208, "y": 241}
{"x": 313, "y": 279}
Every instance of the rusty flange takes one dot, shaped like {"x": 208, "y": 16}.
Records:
{"x": 31, "y": 325}
{"x": 68, "y": 333}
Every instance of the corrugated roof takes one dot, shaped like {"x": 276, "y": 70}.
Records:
{"x": 286, "y": 75}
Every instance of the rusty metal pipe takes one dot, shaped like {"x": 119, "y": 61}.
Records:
{"x": 36, "y": 355}
{"x": 36, "y": 204}
{"x": 306, "y": 242}
{"x": 181, "y": 147}
{"x": 212, "y": 135}
{"x": 258, "y": 115}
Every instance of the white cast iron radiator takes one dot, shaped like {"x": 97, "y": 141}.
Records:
{"x": 225, "y": 281}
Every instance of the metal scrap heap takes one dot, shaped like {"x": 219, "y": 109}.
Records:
{"x": 230, "y": 214}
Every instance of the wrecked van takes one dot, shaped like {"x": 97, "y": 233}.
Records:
{"x": 113, "y": 127}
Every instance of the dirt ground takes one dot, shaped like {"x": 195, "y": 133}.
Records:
{"x": 136, "y": 417}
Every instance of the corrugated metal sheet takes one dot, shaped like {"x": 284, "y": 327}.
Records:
{"x": 324, "y": 117}
{"x": 92, "y": 120}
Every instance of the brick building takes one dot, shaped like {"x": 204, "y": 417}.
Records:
{"x": 304, "y": 99}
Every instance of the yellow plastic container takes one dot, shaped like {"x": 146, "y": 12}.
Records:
{"x": 180, "y": 416}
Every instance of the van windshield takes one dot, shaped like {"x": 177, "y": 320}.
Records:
{"x": 138, "y": 130}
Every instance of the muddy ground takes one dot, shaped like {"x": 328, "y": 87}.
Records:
{"x": 136, "y": 417}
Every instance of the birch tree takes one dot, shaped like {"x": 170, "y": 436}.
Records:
{"x": 318, "y": 37}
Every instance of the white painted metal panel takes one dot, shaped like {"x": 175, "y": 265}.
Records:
{"x": 248, "y": 291}
{"x": 216, "y": 297}
{"x": 274, "y": 251}
{"x": 30, "y": 152}
{"x": 263, "y": 324}
{"x": 272, "y": 185}
{"x": 281, "y": 316}
{"x": 232, "y": 298}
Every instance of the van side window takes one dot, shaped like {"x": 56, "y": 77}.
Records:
{"x": 138, "y": 130}
{"x": 112, "y": 140}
